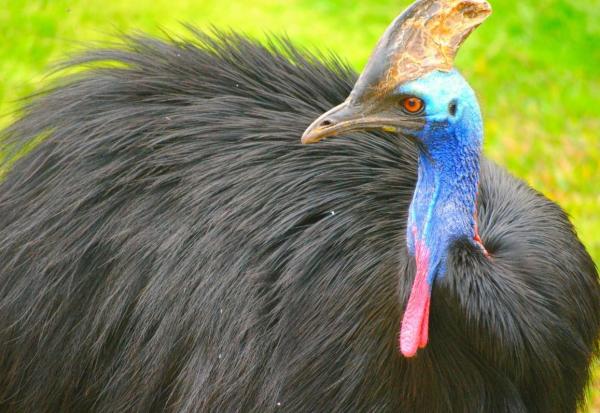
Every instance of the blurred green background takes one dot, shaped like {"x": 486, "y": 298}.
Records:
{"x": 535, "y": 65}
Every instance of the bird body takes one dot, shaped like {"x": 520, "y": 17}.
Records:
{"x": 168, "y": 244}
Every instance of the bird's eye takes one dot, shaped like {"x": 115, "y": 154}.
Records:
{"x": 412, "y": 105}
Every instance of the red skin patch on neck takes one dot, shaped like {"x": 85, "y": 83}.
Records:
{"x": 478, "y": 240}
{"x": 414, "y": 332}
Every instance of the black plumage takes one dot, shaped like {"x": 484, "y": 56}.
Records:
{"x": 170, "y": 245}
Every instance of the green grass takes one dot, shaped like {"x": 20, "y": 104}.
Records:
{"x": 534, "y": 63}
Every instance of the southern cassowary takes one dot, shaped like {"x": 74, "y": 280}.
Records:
{"x": 168, "y": 243}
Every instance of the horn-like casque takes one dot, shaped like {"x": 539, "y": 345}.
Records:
{"x": 426, "y": 37}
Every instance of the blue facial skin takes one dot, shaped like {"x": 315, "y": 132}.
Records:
{"x": 443, "y": 205}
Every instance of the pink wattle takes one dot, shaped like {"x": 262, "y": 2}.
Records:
{"x": 415, "y": 324}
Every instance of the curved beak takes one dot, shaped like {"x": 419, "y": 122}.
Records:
{"x": 345, "y": 117}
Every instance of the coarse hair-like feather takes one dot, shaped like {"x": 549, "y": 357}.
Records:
{"x": 170, "y": 245}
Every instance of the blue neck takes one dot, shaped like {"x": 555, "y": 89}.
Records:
{"x": 444, "y": 202}
{"x": 443, "y": 206}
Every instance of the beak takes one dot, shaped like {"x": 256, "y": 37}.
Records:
{"x": 342, "y": 118}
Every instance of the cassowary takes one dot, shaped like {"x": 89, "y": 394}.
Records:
{"x": 168, "y": 243}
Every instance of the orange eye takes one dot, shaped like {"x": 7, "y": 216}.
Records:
{"x": 412, "y": 105}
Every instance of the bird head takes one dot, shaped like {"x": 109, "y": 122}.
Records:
{"x": 409, "y": 87}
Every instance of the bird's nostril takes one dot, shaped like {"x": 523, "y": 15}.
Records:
{"x": 326, "y": 123}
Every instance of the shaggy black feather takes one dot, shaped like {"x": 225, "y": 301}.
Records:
{"x": 170, "y": 245}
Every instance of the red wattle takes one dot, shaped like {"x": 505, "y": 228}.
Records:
{"x": 414, "y": 332}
